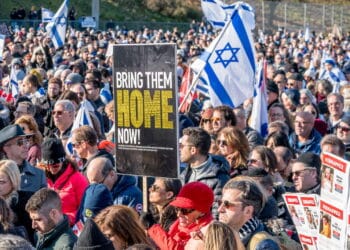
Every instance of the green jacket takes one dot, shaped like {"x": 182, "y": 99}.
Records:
{"x": 59, "y": 238}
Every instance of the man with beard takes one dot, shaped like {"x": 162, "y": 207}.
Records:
{"x": 52, "y": 226}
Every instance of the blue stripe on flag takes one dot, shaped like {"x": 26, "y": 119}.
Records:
{"x": 57, "y": 36}
{"x": 242, "y": 35}
{"x": 216, "y": 85}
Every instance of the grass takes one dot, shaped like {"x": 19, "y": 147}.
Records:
{"x": 117, "y": 10}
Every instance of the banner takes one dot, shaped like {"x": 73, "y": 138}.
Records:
{"x": 146, "y": 129}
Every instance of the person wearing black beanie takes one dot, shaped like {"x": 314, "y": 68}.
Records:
{"x": 91, "y": 238}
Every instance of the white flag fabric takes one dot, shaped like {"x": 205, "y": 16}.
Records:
{"x": 46, "y": 15}
{"x": 56, "y": 29}
{"x": 259, "y": 117}
{"x": 82, "y": 118}
{"x": 307, "y": 35}
{"x": 13, "y": 84}
{"x": 2, "y": 43}
{"x": 228, "y": 65}
{"x": 216, "y": 12}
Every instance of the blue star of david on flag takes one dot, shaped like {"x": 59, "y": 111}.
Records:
{"x": 226, "y": 52}
{"x": 62, "y": 20}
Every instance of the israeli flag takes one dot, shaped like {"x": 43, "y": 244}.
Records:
{"x": 216, "y": 12}
{"x": 82, "y": 118}
{"x": 259, "y": 117}
{"x": 46, "y": 15}
{"x": 13, "y": 84}
{"x": 56, "y": 28}
{"x": 228, "y": 65}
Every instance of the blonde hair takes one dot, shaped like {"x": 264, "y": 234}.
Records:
{"x": 10, "y": 168}
{"x": 219, "y": 236}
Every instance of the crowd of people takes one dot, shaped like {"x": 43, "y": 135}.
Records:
{"x": 232, "y": 178}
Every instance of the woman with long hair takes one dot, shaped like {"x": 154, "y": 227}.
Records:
{"x": 31, "y": 129}
{"x": 234, "y": 146}
{"x": 121, "y": 225}
{"x": 10, "y": 181}
{"x": 161, "y": 193}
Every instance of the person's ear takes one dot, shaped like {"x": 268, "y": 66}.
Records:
{"x": 248, "y": 211}
{"x": 169, "y": 194}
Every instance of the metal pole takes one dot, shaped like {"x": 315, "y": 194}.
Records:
{"x": 263, "y": 15}
{"x": 323, "y": 17}
{"x": 285, "y": 17}
{"x": 305, "y": 15}
{"x": 95, "y": 11}
{"x": 332, "y": 16}
{"x": 341, "y": 17}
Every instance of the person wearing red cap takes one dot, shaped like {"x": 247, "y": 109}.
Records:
{"x": 193, "y": 205}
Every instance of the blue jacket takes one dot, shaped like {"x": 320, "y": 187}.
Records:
{"x": 125, "y": 192}
{"x": 32, "y": 178}
{"x": 312, "y": 145}
{"x": 215, "y": 173}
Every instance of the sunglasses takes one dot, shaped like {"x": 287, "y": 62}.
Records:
{"x": 222, "y": 142}
{"x": 58, "y": 112}
{"x": 299, "y": 172}
{"x": 227, "y": 204}
{"x": 154, "y": 188}
{"x": 343, "y": 129}
{"x": 215, "y": 119}
{"x": 19, "y": 142}
{"x": 206, "y": 120}
{"x": 184, "y": 211}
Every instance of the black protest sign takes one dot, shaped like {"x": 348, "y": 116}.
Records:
{"x": 145, "y": 93}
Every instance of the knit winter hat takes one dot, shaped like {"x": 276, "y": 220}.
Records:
{"x": 91, "y": 238}
{"x": 52, "y": 151}
{"x": 195, "y": 195}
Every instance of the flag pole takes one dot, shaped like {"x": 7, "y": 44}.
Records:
{"x": 195, "y": 80}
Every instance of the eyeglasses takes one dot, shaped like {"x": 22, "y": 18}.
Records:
{"x": 52, "y": 166}
{"x": 221, "y": 142}
{"x": 58, "y": 112}
{"x": 228, "y": 204}
{"x": 19, "y": 143}
{"x": 252, "y": 161}
{"x": 215, "y": 119}
{"x": 184, "y": 211}
{"x": 298, "y": 173}
{"x": 154, "y": 188}
{"x": 343, "y": 129}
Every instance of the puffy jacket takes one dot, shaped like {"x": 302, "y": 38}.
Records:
{"x": 70, "y": 186}
{"x": 215, "y": 173}
{"x": 177, "y": 237}
{"x": 125, "y": 192}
